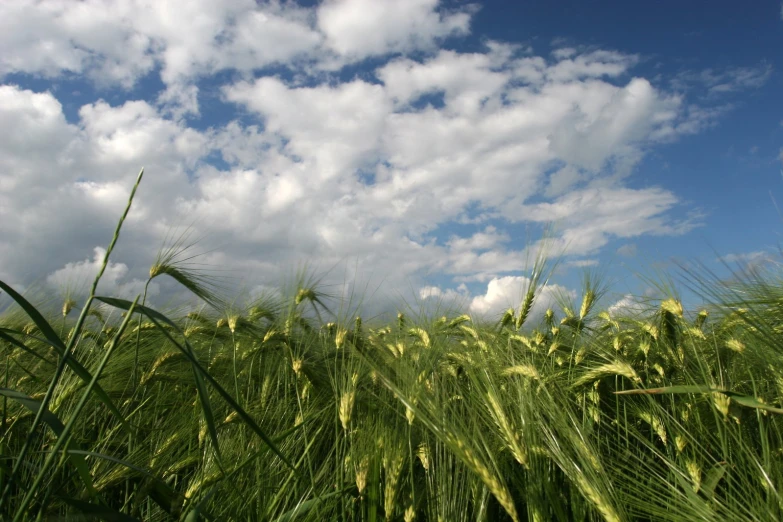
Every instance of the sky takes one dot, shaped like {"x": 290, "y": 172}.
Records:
{"x": 400, "y": 150}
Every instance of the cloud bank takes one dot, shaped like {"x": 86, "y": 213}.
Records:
{"x": 341, "y": 133}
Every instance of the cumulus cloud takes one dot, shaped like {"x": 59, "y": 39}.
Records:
{"x": 628, "y": 306}
{"x": 509, "y": 291}
{"x": 78, "y": 276}
{"x": 423, "y": 163}
{"x": 51, "y": 38}
{"x": 120, "y": 41}
{"x": 338, "y": 127}
{"x": 592, "y": 216}
{"x": 361, "y": 28}
{"x": 449, "y": 296}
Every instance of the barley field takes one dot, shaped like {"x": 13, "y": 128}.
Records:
{"x": 278, "y": 411}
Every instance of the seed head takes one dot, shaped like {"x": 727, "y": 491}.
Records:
{"x": 346, "y": 408}
{"x": 68, "y": 306}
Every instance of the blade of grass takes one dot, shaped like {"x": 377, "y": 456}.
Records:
{"x": 305, "y": 507}
{"x": 744, "y": 400}
{"x": 45, "y": 328}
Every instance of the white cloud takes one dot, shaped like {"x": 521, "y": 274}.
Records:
{"x": 590, "y": 217}
{"x": 78, "y": 276}
{"x": 34, "y": 128}
{"x": 564, "y": 53}
{"x": 122, "y": 40}
{"x": 361, "y": 28}
{"x": 509, "y": 291}
{"x": 489, "y": 239}
{"x": 117, "y": 42}
{"x": 317, "y": 169}
{"x": 426, "y": 292}
{"x": 63, "y": 186}
{"x": 588, "y": 137}
{"x": 628, "y": 306}
{"x": 339, "y": 128}
{"x": 748, "y": 260}
{"x": 562, "y": 180}
{"x": 465, "y": 79}
{"x": 724, "y": 81}
{"x": 740, "y": 78}
{"x": 134, "y": 133}
{"x": 748, "y": 256}
{"x": 93, "y": 37}
{"x": 589, "y": 65}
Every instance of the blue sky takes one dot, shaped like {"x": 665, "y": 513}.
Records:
{"x": 417, "y": 148}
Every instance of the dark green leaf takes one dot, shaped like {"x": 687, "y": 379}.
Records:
{"x": 36, "y": 316}
{"x": 4, "y": 334}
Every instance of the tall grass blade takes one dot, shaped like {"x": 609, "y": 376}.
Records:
{"x": 42, "y": 324}
{"x": 744, "y": 400}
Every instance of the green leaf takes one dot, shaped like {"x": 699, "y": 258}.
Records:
{"x": 57, "y": 427}
{"x": 696, "y": 388}
{"x": 31, "y": 336}
{"x": 4, "y": 334}
{"x": 209, "y": 417}
{"x": 308, "y": 505}
{"x": 712, "y": 478}
{"x": 752, "y": 402}
{"x": 744, "y": 400}
{"x": 35, "y": 315}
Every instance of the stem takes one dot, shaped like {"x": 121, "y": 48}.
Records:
{"x": 138, "y": 339}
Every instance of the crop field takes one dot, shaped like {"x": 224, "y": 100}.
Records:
{"x": 277, "y": 411}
